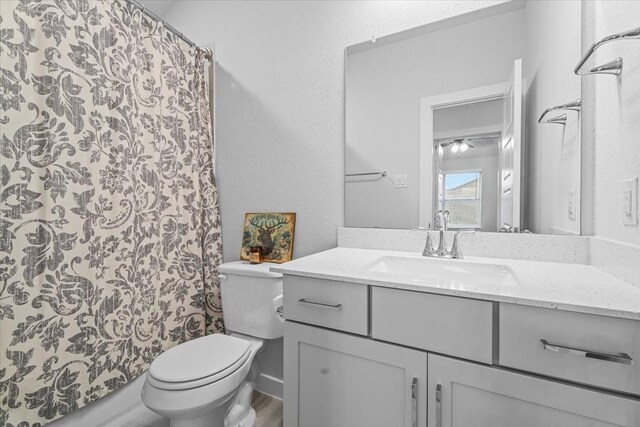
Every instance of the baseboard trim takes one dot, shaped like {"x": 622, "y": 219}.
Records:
{"x": 139, "y": 416}
{"x": 270, "y": 385}
{"x": 124, "y": 419}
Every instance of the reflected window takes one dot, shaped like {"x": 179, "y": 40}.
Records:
{"x": 463, "y": 198}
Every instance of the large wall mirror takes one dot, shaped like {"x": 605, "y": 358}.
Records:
{"x": 448, "y": 117}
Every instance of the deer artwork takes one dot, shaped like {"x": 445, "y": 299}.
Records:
{"x": 265, "y": 229}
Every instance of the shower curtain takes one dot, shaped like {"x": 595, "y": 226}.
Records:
{"x": 109, "y": 222}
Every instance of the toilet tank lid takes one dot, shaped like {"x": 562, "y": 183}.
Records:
{"x": 245, "y": 268}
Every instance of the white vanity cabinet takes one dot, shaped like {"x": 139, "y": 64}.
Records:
{"x": 368, "y": 355}
{"x": 464, "y": 394}
{"x": 334, "y": 379}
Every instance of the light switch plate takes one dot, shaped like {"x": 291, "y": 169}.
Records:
{"x": 400, "y": 181}
{"x": 630, "y": 202}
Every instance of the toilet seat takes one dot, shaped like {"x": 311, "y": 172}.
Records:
{"x": 199, "y": 362}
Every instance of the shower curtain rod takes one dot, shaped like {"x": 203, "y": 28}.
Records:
{"x": 134, "y": 3}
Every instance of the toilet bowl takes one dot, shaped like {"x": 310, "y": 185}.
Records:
{"x": 209, "y": 381}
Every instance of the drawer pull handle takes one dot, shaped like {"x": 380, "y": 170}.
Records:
{"x": 616, "y": 358}
{"x": 320, "y": 304}
{"x": 439, "y": 405}
{"x": 414, "y": 402}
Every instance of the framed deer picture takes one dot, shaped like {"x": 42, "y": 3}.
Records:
{"x": 274, "y": 232}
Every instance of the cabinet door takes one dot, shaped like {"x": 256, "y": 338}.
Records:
{"x": 339, "y": 380}
{"x": 463, "y": 394}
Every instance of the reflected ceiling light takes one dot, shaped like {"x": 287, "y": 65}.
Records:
{"x": 459, "y": 145}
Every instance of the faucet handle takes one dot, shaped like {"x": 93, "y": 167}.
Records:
{"x": 428, "y": 247}
{"x": 455, "y": 252}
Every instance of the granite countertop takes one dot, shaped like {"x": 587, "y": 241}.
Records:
{"x": 572, "y": 287}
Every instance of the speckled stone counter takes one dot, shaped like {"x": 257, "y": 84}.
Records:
{"x": 566, "y": 286}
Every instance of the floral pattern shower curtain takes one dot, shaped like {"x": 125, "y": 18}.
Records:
{"x": 109, "y": 222}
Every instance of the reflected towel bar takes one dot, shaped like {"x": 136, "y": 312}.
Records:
{"x": 557, "y": 120}
{"x": 612, "y": 67}
{"x": 561, "y": 119}
{"x": 382, "y": 174}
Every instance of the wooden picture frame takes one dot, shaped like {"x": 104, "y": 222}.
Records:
{"x": 273, "y": 231}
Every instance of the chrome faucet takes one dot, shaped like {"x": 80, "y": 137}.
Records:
{"x": 442, "y": 222}
{"x": 453, "y": 253}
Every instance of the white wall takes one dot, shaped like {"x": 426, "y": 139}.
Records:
{"x": 553, "y": 151}
{"x": 468, "y": 119}
{"x": 280, "y": 106}
{"x": 617, "y": 120}
{"x": 385, "y": 84}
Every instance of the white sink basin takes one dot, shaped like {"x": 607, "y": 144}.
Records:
{"x": 444, "y": 273}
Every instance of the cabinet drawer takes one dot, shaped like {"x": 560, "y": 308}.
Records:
{"x": 456, "y": 326}
{"x": 594, "y": 350}
{"x": 336, "y": 305}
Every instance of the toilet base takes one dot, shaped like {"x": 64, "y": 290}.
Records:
{"x": 248, "y": 421}
{"x": 236, "y": 412}
{"x": 241, "y": 414}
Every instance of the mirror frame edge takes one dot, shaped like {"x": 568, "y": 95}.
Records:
{"x": 587, "y": 130}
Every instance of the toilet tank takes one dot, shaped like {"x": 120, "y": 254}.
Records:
{"x": 248, "y": 292}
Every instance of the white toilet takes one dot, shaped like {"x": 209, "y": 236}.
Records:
{"x": 209, "y": 381}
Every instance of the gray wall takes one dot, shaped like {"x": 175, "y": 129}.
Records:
{"x": 280, "y": 106}
{"x": 466, "y": 119}
{"x": 610, "y": 152}
{"x": 617, "y": 123}
{"x": 553, "y": 151}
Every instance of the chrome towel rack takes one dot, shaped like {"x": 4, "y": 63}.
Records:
{"x": 613, "y": 67}
{"x": 561, "y": 119}
{"x": 381, "y": 173}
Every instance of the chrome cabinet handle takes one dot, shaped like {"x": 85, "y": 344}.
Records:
{"x": 320, "y": 304}
{"x": 439, "y": 405}
{"x": 414, "y": 402}
{"x": 623, "y": 358}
